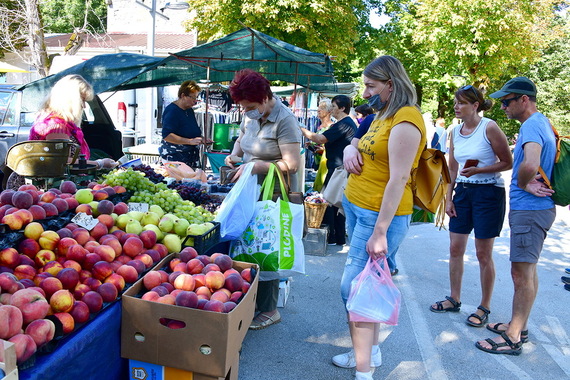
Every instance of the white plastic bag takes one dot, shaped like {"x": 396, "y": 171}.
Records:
{"x": 239, "y": 205}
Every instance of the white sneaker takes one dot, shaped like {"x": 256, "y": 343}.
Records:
{"x": 363, "y": 376}
{"x": 347, "y": 360}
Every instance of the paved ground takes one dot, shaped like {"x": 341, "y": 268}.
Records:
{"x": 424, "y": 345}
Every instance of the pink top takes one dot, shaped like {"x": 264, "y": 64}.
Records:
{"x": 52, "y": 123}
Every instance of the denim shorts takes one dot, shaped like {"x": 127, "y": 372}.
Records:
{"x": 360, "y": 225}
{"x": 528, "y": 231}
{"x": 480, "y": 208}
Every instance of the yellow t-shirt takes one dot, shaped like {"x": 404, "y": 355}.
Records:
{"x": 367, "y": 189}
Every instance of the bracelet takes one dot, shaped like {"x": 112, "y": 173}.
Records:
{"x": 99, "y": 164}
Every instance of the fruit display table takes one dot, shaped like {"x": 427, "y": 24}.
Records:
{"x": 93, "y": 352}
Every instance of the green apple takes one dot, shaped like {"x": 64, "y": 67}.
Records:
{"x": 181, "y": 226}
{"x": 172, "y": 243}
{"x": 84, "y": 196}
{"x": 150, "y": 217}
{"x": 166, "y": 224}
{"x": 153, "y": 227}
{"x": 156, "y": 209}
{"x": 133, "y": 227}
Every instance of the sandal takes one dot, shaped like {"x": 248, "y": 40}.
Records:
{"x": 270, "y": 320}
{"x": 440, "y": 309}
{"x": 515, "y": 348}
{"x": 495, "y": 329}
{"x": 482, "y": 318}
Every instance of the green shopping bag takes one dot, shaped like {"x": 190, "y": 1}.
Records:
{"x": 273, "y": 237}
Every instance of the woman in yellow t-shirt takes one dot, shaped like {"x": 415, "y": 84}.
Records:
{"x": 378, "y": 197}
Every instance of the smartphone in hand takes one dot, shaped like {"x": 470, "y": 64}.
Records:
{"x": 470, "y": 163}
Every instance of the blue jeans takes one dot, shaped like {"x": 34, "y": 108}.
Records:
{"x": 360, "y": 225}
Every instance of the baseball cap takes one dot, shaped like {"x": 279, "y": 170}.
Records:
{"x": 518, "y": 85}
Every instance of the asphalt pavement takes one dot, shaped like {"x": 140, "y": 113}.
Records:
{"x": 424, "y": 345}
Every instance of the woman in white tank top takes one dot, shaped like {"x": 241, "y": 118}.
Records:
{"x": 478, "y": 152}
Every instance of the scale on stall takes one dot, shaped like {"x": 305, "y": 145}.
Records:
{"x": 44, "y": 163}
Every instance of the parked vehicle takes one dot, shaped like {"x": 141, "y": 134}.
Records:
{"x": 100, "y": 133}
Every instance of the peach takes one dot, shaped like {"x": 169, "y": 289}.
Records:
{"x": 90, "y": 260}
{"x": 204, "y": 259}
{"x": 9, "y": 257}
{"x": 116, "y": 280}
{"x": 121, "y": 208}
{"x": 38, "y": 212}
{"x": 138, "y": 265}
{"x": 64, "y": 233}
{"x": 12, "y": 321}
{"x": 233, "y": 282}
{"x": 71, "y": 226}
{"x": 160, "y": 248}
{"x": 123, "y": 259}
{"x": 61, "y": 301}
{"x": 100, "y": 195}
{"x": 236, "y": 296}
{"x": 146, "y": 260}
{"x": 24, "y": 271}
{"x": 133, "y": 246}
{"x": 80, "y": 290}
{"x": 154, "y": 255}
{"x": 172, "y": 276}
{"x": 24, "y": 345}
{"x": 81, "y": 235}
{"x": 108, "y": 292}
{"x": 167, "y": 300}
{"x": 129, "y": 273}
{"x": 231, "y": 271}
{"x": 42, "y": 331}
{"x": 80, "y": 312}
{"x": 124, "y": 236}
{"x": 51, "y": 285}
{"x": 84, "y": 274}
{"x": 5, "y": 298}
{"x": 105, "y": 207}
{"x": 67, "y": 321}
{"x": 220, "y": 296}
{"x": 215, "y": 280}
{"x": 76, "y": 253}
{"x": 68, "y": 187}
{"x": 72, "y": 264}
{"x": 31, "y": 303}
{"x": 69, "y": 278}
{"x": 161, "y": 290}
{"x": 119, "y": 189}
{"x": 52, "y": 267}
{"x": 22, "y": 199}
{"x": 151, "y": 296}
{"x": 51, "y": 210}
{"x": 93, "y": 300}
{"x": 214, "y": 305}
{"x": 115, "y": 265}
{"x": 229, "y": 306}
{"x": 90, "y": 245}
{"x": 186, "y": 299}
{"x": 185, "y": 282}
{"x": 203, "y": 291}
{"x": 99, "y": 230}
{"x": 200, "y": 279}
{"x": 25, "y": 260}
{"x": 224, "y": 262}
{"x": 6, "y": 196}
{"x": 194, "y": 266}
{"x": 148, "y": 238}
{"x": 14, "y": 221}
{"x": 48, "y": 196}
{"x": 93, "y": 283}
{"x": 152, "y": 279}
{"x": 71, "y": 203}
{"x": 43, "y": 257}
{"x": 247, "y": 275}
{"x": 246, "y": 286}
{"x": 106, "y": 252}
{"x": 48, "y": 240}
{"x": 180, "y": 267}
{"x": 173, "y": 263}
{"x": 60, "y": 204}
{"x": 33, "y": 230}
{"x": 201, "y": 303}
{"x": 187, "y": 254}
{"x": 168, "y": 286}
{"x": 107, "y": 220}
{"x": 101, "y": 270}
{"x": 64, "y": 244}
{"x": 211, "y": 267}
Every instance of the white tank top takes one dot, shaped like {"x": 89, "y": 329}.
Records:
{"x": 475, "y": 146}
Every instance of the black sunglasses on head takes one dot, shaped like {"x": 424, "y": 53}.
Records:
{"x": 506, "y": 102}
{"x": 470, "y": 87}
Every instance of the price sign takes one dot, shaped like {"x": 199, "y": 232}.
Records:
{"x": 142, "y": 207}
{"x": 85, "y": 221}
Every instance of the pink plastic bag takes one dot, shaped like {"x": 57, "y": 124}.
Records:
{"x": 373, "y": 296}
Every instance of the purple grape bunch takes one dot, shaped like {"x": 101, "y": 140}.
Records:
{"x": 194, "y": 193}
{"x": 149, "y": 173}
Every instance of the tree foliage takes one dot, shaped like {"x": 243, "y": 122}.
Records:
{"x": 323, "y": 26}
{"x": 66, "y": 16}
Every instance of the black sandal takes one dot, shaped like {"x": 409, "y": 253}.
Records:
{"x": 495, "y": 329}
{"x": 440, "y": 309}
{"x": 515, "y": 348}
{"x": 482, "y": 318}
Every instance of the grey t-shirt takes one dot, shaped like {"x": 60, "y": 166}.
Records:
{"x": 260, "y": 141}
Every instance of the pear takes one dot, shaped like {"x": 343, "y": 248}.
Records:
{"x": 156, "y": 209}
{"x": 172, "y": 217}
{"x": 181, "y": 226}
{"x": 172, "y": 243}
{"x": 122, "y": 221}
{"x": 133, "y": 227}
{"x": 196, "y": 229}
{"x": 137, "y": 215}
{"x": 150, "y": 217}
{"x": 166, "y": 224}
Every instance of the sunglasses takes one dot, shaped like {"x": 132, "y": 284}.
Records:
{"x": 470, "y": 87}
{"x": 506, "y": 102}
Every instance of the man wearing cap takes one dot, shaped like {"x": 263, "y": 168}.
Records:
{"x": 532, "y": 211}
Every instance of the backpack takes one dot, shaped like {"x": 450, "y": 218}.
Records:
{"x": 430, "y": 181}
{"x": 560, "y": 179}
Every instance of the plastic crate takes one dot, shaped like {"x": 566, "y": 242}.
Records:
{"x": 147, "y": 159}
{"x": 202, "y": 243}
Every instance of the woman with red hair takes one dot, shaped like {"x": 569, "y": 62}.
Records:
{"x": 269, "y": 132}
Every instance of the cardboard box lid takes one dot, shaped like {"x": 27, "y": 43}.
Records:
{"x": 9, "y": 354}
{"x": 207, "y": 344}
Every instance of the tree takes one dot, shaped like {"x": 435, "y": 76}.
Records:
{"x": 323, "y": 26}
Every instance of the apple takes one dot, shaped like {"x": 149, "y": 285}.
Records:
{"x": 84, "y": 196}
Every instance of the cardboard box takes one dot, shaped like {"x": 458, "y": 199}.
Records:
{"x": 315, "y": 242}
{"x": 147, "y": 371}
{"x": 209, "y": 342}
{"x": 9, "y": 364}
{"x": 284, "y": 289}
